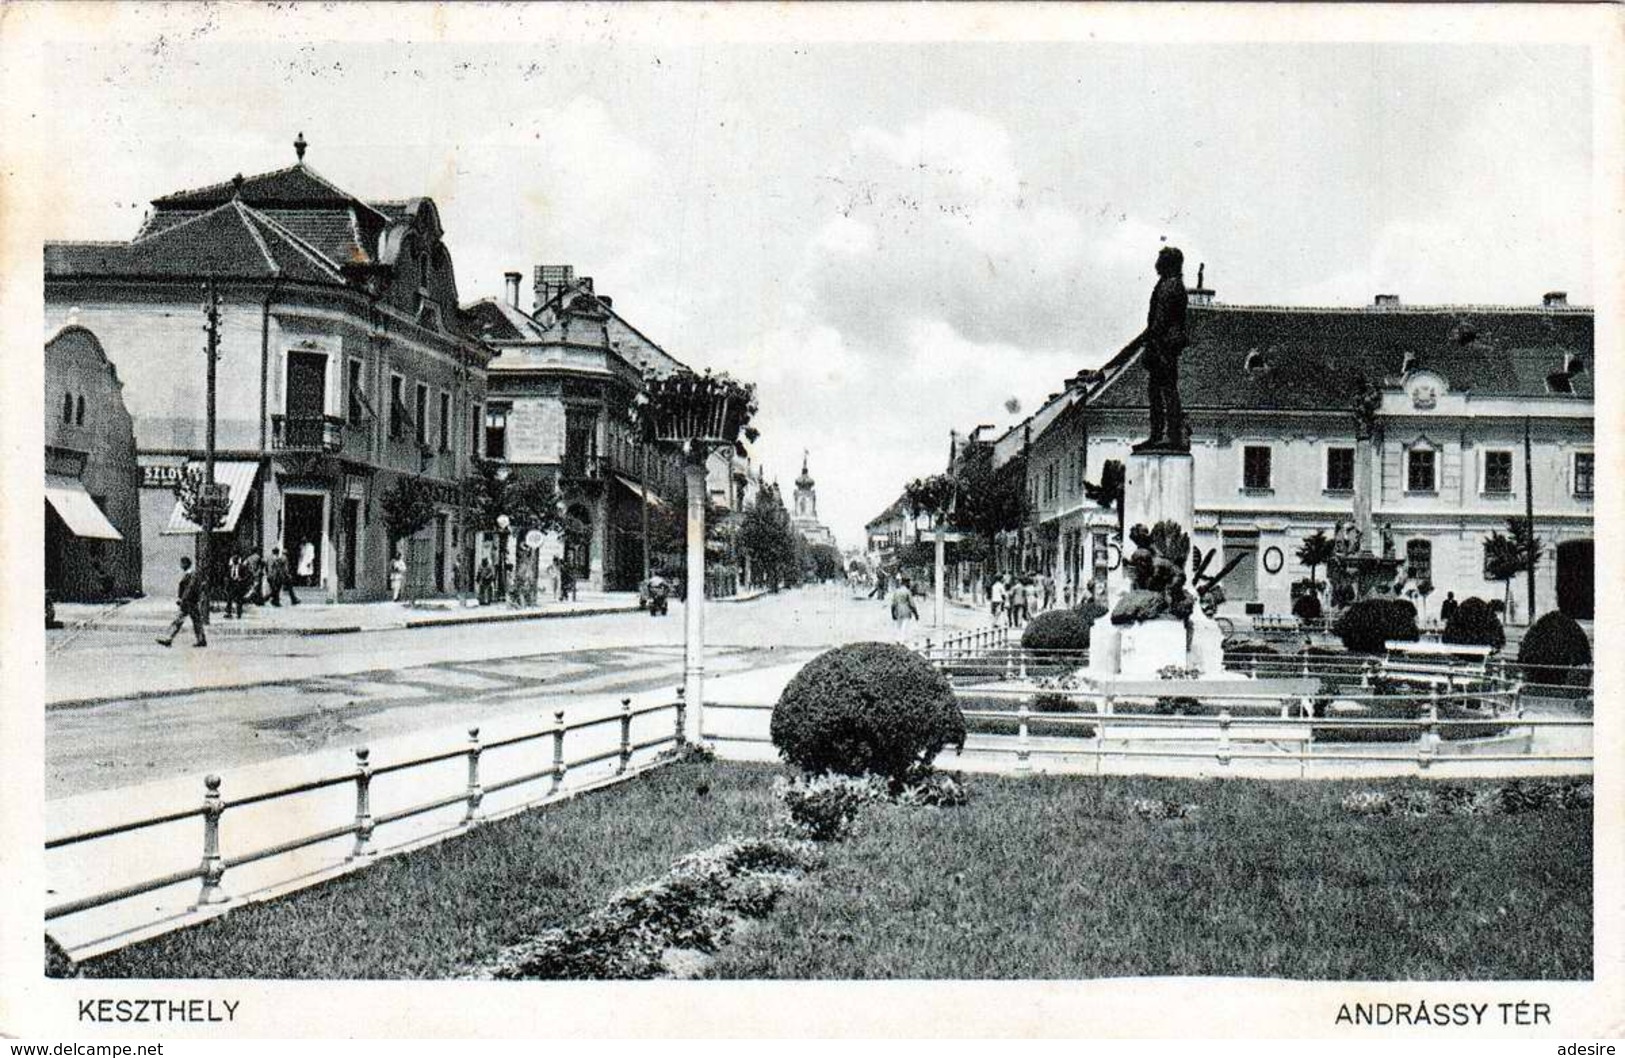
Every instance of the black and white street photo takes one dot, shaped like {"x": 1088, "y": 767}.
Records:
{"x": 911, "y": 497}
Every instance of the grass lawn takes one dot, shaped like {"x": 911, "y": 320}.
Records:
{"x": 1039, "y": 877}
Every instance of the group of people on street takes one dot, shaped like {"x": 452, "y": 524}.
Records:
{"x": 249, "y": 578}
{"x": 522, "y": 581}
{"x": 1014, "y": 600}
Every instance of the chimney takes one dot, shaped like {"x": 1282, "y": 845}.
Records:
{"x": 1556, "y": 299}
{"x": 1201, "y": 294}
{"x": 550, "y": 280}
{"x": 606, "y": 301}
{"x": 1385, "y": 301}
{"x": 511, "y": 281}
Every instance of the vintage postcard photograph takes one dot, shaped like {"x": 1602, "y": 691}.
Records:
{"x": 576, "y": 519}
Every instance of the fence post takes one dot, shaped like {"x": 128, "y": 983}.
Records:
{"x": 1024, "y": 765}
{"x": 1428, "y": 744}
{"x": 363, "y": 804}
{"x": 558, "y": 751}
{"x": 1306, "y": 705}
{"x": 1305, "y": 656}
{"x": 681, "y": 736}
{"x": 1224, "y": 736}
{"x": 214, "y": 867}
{"x": 626, "y": 736}
{"x": 1022, "y": 654}
{"x": 475, "y": 794}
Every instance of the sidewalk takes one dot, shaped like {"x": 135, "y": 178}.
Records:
{"x": 322, "y": 618}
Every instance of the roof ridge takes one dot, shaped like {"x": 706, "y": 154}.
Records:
{"x": 321, "y": 260}
{"x": 259, "y": 240}
{"x": 162, "y": 232}
{"x": 190, "y": 192}
{"x": 1401, "y": 310}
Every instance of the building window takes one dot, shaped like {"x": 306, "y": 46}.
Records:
{"x": 421, "y": 421}
{"x": 1339, "y": 469}
{"x": 1497, "y": 466}
{"x": 496, "y": 431}
{"x": 397, "y": 407}
{"x": 1255, "y": 467}
{"x": 445, "y": 421}
{"x": 476, "y": 416}
{"x": 1420, "y": 469}
{"x": 1419, "y": 561}
{"x": 67, "y": 409}
{"x": 79, "y": 412}
{"x": 1584, "y": 464}
{"x": 358, "y": 406}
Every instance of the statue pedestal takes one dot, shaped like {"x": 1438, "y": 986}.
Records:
{"x": 1157, "y": 487}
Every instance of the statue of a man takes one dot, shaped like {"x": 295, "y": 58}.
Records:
{"x": 1165, "y": 336}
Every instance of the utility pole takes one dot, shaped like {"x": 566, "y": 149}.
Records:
{"x": 1529, "y": 516}
{"x": 643, "y": 481}
{"x": 211, "y": 511}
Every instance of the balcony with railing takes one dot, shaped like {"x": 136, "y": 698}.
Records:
{"x": 307, "y": 433}
{"x": 579, "y": 466}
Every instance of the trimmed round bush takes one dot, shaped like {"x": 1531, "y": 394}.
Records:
{"x": 1090, "y": 611}
{"x": 1550, "y": 649}
{"x": 1475, "y": 624}
{"x": 1366, "y": 626}
{"x": 866, "y": 709}
{"x": 1057, "y": 630}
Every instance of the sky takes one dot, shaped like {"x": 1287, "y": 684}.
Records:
{"x": 891, "y": 240}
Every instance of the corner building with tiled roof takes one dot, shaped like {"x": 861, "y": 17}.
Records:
{"x": 345, "y": 363}
{"x": 1274, "y": 398}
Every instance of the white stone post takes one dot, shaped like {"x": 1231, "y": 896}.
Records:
{"x": 694, "y": 599}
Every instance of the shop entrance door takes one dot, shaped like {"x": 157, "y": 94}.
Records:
{"x": 302, "y": 537}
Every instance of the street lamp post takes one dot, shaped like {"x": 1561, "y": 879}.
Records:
{"x": 502, "y": 555}
{"x": 695, "y": 414}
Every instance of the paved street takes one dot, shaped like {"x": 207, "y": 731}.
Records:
{"x": 246, "y": 700}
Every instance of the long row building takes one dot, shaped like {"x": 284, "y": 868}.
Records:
{"x": 1441, "y": 418}
{"x": 346, "y": 361}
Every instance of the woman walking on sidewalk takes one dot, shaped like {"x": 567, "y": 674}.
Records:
{"x": 902, "y": 609}
{"x": 397, "y": 576}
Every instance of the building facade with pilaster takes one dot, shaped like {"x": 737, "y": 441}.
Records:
{"x": 1300, "y": 416}
{"x": 344, "y": 365}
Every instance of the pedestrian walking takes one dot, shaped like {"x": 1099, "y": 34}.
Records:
{"x": 189, "y": 600}
{"x": 1012, "y": 603}
{"x": 997, "y": 594}
{"x": 236, "y": 586}
{"x": 307, "y": 564}
{"x": 256, "y": 577}
{"x": 1049, "y": 591}
{"x": 902, "y": 608}
{"x": 485, "y": 580}
{"x": 279, "y": 579}
{"x": 1447, "y": 609}
{"x": 397, "y": 576}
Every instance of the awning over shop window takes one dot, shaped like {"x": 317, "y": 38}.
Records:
{"x": 641, "y": 493}
{"x": 75, "y": 507}
{"x": 238, "y": 477}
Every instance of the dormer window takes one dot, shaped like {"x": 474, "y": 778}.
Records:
{"x": 1255, "y": 361}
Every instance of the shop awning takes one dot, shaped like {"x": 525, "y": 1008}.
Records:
{"x": 640, "y": 492}
{"x": 75, "y": 507}
{"x": 238, "y": 477}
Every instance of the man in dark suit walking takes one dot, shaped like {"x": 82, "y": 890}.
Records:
{"x": 278, "y": 578}
{"x": 189, "y": 598}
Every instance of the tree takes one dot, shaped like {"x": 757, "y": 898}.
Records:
{"x": 1316, "y": 550}
{"x": 1506, "y": 556}
{"x": 767, "y": 535}
{"x": 989, "y": 500}
{"x": 826, "y": 562}
{"x": 529, "y": 503}
{"x": 408, "y": 505}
